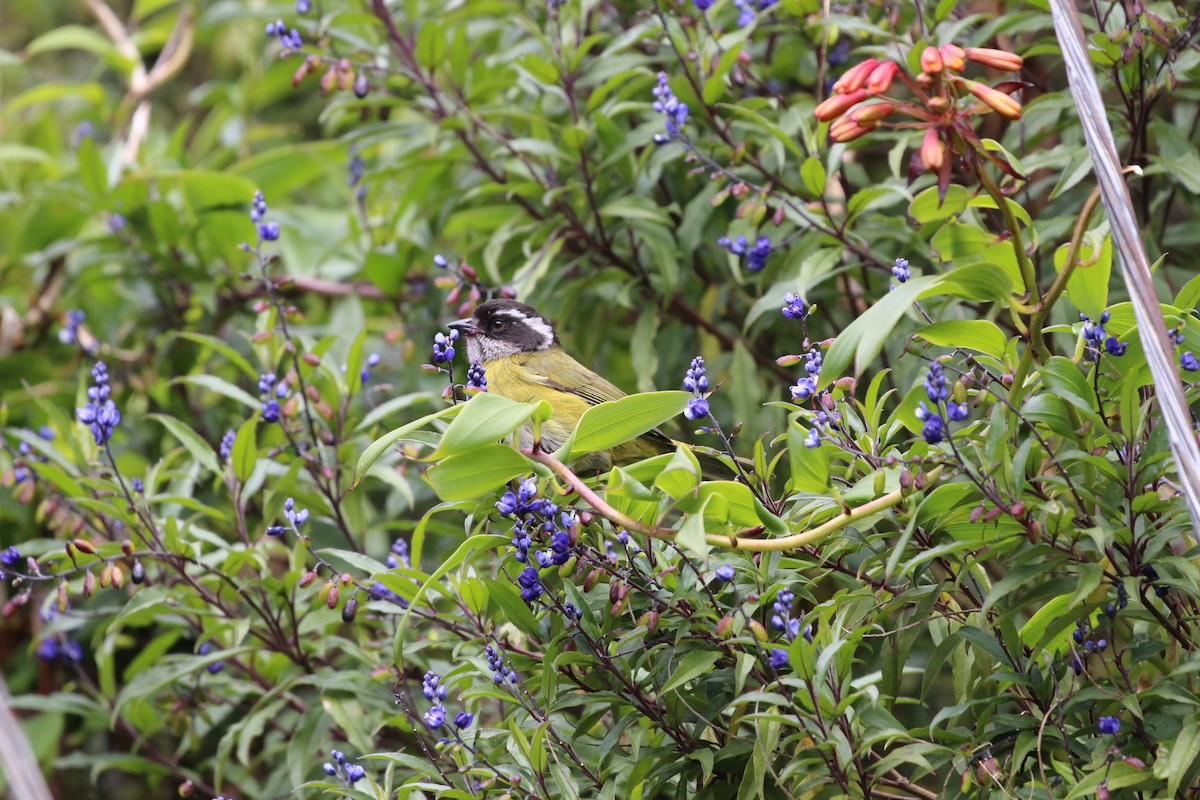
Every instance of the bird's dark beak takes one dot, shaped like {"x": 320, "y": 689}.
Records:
{"x": 466, "y": 326}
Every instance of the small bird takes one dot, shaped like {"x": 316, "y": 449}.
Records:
{"x": 525, "y": 361}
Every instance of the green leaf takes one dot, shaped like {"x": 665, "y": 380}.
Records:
{"x": 809, "y": 465}
{"x": 1182, "y": 763}
{"x": 862, "y": 339}
{"x": 973, "y": 334}
{"x": 245, "y": 449}
{"x": 484, "y": 419}
{"x": 469, "y": 475}
{"x": 1034, "y": 631}
{"x": 812, "y": 172}
{"x": 191, "y": 440}
{"x": 609, "y": 424}
{"x": 693, "y": 529}
{"x": 928, "y": 207}
{"x": 693, "y": 665}
{"x": 219, "y": 345}
{"x": 221, "y": 387}
{"x": 381, "y": 445}
{"x": 681, "y": 475}
{"x": 1087, "y": 288}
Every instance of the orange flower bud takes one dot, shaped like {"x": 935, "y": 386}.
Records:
{"x": 933, "y": 151}
{"x": 833, "y": 107}
{"x": 931, "y": 61}
{"x": 1000, "y": 102}
{"x": 865, "y": 115}
{"x": 847, "y": 130}
{"x": 952, "y": 57}
{"x": 997, "y": 59}
{"x": 118, "y": 576}
{"x": 855, "y": 77}
{"x": 881, "y": 77}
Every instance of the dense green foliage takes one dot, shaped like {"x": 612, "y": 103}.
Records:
{"x": 952, "y": 559}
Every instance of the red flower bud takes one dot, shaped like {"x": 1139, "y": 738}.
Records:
{"x": 867, "y": 115}
{"x": 952, "y": 57}
{"x": 997, "y": 59}
{"x": 855, "y": 77}
{"x": 996, "y": 100}
{"x": 833, "y": 107}
{"x": 933, "y": 151}
{"x": 931, "y": 61}
{"x": 881, "y": 77}
{"x": 847, "y": 130}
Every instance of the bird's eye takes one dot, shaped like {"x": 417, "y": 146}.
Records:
{"x": 498, "y": 325}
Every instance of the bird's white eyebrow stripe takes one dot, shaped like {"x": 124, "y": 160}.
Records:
{"x": 511, "y": 313}
{"x": 541, "y": 327}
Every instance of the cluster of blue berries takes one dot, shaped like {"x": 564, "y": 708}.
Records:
{"x": 288, "y": 37}
{"x": 296, "y": 517}
{"x": 100, "y": 412}
{"x": 270, "y": 392}
{"x": 1187, "y": 359}
{"x": 267, "y": 231}
{"x": 443, "y": 346}
{"x": 477, "y": 377}
{"x": 396, "y": 557}
{"x": 501, "y": 671}
{"x": 806, "y": 387}
{"x": 667, "y": 104}
{"x": 1150, "y": 576}
{"x": 755, "y": 255}
{"x": 1111, "y": 609}
{"x": 349, "y": 773}
{"x": 435, "y": 691}
{"x": 532, "y": 515}
{"x": 696, "y": 382}
{"x": 1096, "y": 337}
{"x": 796, "y": 308}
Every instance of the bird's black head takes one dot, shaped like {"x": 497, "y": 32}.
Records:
{"x": 501, "y": 328}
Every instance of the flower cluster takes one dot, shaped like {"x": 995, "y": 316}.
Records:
{"x": 754, "y": 255}
{"x": 531, "y": 584}
{"x": 531, "y": 517}
{"x": 288, "y": 37}
{"x": 341, "y": 768}
{"x": 901, "y": 271}
{"x": 501, "y": 671}
{"x": 783, "y": 620}
{"x": 1096, "y": 337}
{"x": 696, "y": 382}
{"x": 371, "y": 363}
{"x": 667, "y": 104}
{"x": 796, "y": 308}
{"x": 749, "y": 9}
{"x": 10, "y": 557}
{"x": 435, "y": 691}
{"x": 476, "y": 377}
{"x": 215, "y": 666}
{"x": 28, "y": 456}
{"x": 100, "y": 412}
{"x": 398, "y": 555}
{"x": 806, "y": 387}
{"x": 1150, "y": 576}
{"x": 270, "y": 391}
{"x": 944, "y": 100}
{"x": 1111, "y": 609}
{"x": 1109, "y": 725}
{"x": 938, "y": 393}
{"x": 227, "y": 442}
{"x": 443, "y": 346}
{"x": 1188, "y": 361}
{"x": 725, "y": 573}
{"x": 267, "y": 231}
{"x": 70, "y": 332}
{"x": 55, "y": 648}
{"x": 823, "y": 422}
{"x": 296, "y": 517}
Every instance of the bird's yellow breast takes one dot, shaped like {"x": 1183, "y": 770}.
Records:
{"x": 513, "y": 378}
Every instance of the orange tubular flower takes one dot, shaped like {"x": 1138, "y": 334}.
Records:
{"x": 997, "y": 59}
{"x": 881, "y": 77}
{"x": 833, "y": 107}
{"x": 931, "y": 61}
{"x": 871, "y": 114}
{"x": 855, "y": 77}
{"x": 933, "y": 150}
{"x": 997, "y": 100}
{"x": 953, "y": 57}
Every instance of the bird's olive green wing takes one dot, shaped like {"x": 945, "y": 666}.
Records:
{"x": 556, "y": 370}
{"x": 573, "y": 378}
